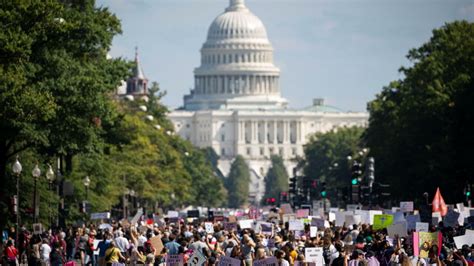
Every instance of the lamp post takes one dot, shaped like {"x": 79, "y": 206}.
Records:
{"x": 87, "y": 182}
{"x": 36, "y": 174}
{"x": 50, "y": 177}
{"x": 17, "y": 171}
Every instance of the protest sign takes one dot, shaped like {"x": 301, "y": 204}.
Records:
{"x": 288, "y": 217}
{"x": 302, "y": 213}
{"x": 451, "y": 218}
{"x": 96, "y": 244}
{"x": 157, "y": 244}
{"x": 246, "y": 224}
{"x": 209, "y": 227}
{"x": 463, "y": 240}
{"x": 382, "y": 221}
{"x": 352, "y": 219}
{"x": 197, "y": 259}
{"x": 341, "y": 218}
{"x": 137, "y": 216}
{"x": 412, "y": 220}
{"x": 399, "y": 229}
{"x": 172, "y": 214}
{"x": 272, "y": 261}
{"x": 352, "y": 207}
{"x": 398, "y": 217}
{"x": 314, "y": 255}
{"x": 228, "y": 261}
{"x": 270, "y": 243}
{"x": 406, "y": 206}
{"x": 317, "y": 222}
{"x": 295, "y": 225}
{"x": 37, "y": 229}
{"x": 332, "y": 216}
{"x": 193, "y": 214}
{"x": 266, "y": 228}
{"x": 423, "y": 241}
{"x": 100, "y": 215}
{"x": 422, "y": 227}
{"x": 174, "y": 260}
{"x": 318, "y": 204}
{"x": 230, "y": 227}
{"x": 313, "y": 231}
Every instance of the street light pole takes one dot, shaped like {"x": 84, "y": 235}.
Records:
{"x": 36, "y": 174}
{"x": 50, "y": 178}
{"x": 17, "y": 171}
{"x": 87, "y": 182}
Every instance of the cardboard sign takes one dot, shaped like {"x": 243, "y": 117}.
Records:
{"x": 100, "y": 215}
{"x": 313, "y": 231}
{"x": 314, "y": 255}
{"x": 422, "y": 227}
{"x": 399, "y": 229}
{"x": 302, "y": 213}
{"x": 272, "y": 261}
{"x": 423, "y": 241}
{"x": 246, "y": 224}
{"x": 296, "y": 225}
{"x": 228, "y": 261}
{"x": 174, "y": 260}
{"x": 382, "y": 221}
{"x": 318, "y": 222}
{"x": 196, "y": 259}
{"x": 406, "y": 206}
{"x": 157, "y": 244}
{"x": 412, "y": 220}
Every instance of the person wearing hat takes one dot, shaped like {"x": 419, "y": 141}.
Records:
{"x": 357, "y": 258}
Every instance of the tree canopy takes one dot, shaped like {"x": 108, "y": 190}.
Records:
{"x": 420, "y": 126}
{"x": 237, "y": 183}
{"x": 276, "y": 180}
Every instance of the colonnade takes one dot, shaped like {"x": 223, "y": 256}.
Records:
{"x": 269, "y": 131}
{"x": 237, "y": 84}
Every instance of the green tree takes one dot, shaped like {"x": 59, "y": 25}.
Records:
{"x": 420, "y": 126}
{"x": 276, "y": 180}
{"x": 237, "y": 183}
{"x": 326, "y": 156}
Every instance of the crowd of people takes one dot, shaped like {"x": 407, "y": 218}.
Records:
{"x": 120, "y": 243}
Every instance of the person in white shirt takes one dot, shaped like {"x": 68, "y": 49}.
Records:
{"x": 45, "y": 250}
{"x": 122, "y": 243}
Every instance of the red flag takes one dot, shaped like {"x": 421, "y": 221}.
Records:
{"x": 438, "y": 203}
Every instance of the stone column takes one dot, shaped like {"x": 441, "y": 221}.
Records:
{"x": 247, "y": 84}
{"x": 275, "y": 132}
{"x": 265, "y": 131}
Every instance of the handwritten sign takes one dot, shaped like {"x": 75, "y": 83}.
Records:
{"x": 296, "y": 225}
{"x": 272, "y": 261}
{"x": 228, "y": 261}
{"x": 406, "y": 206}
{"x": 174, "y": 260}
{"x": 314, "y": 255}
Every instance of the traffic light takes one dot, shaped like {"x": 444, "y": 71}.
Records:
{"x": 271, "y": 201}
{"x": 323, "y": 192}
{"x": 354, "y": 181}
{"x": 293, "y": 185}
{"x": 356, "y": 170}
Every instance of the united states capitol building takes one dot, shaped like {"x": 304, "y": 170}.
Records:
{"x": 236, "y": 107}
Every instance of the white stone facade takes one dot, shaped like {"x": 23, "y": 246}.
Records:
{"x": 236, "y": 107}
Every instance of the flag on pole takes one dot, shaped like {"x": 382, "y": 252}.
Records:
{"x": 438, "y": 203}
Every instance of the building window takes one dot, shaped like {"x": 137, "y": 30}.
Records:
{"x": 223, "y": 151}
{"x": 262, "y": 151}
{"x": 248, "y": 151}
{"x": 222, "y": 137}
{"x": 270, "y": 150}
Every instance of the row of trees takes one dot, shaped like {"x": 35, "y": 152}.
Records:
{"x": 56, "y": 101}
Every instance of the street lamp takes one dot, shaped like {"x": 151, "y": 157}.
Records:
{"x": 36, "y": 174}
{"x": 17, "y": 171}
{"x": 87, "y": 182}
{"x": 50, "y": 177}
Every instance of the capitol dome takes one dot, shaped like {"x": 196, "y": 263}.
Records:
{"x": 237, "y": 69}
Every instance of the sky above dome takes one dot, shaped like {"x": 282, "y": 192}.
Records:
{"x": 342, "y": 50}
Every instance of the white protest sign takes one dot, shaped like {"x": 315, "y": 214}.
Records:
{"x": 37, "y": 229}
{"x": 313, "y": 231}
{"x": 96, "y": 244}
{"x": 332, "y": 216}
{"x": 412, "y": 220}
{"x": 353, "y": 219}
{"x": 314, "y": 255}
{"x": 137, "y": 216}
{"x": 295, "y": 225}
{"x": 352, "y": 207}
{"x": 266, "y": 228}
{"x": 197, "y": 259}
{"x": 406, "y": 206}
{"x": 460, "y": 207}
{"x": 288, "y": 217}
{"x": 228, "y": 261}
{"x": 172, "y": 214}
{"x": 174, "y": 260}
{"x": 272, "y": 261}
{"x": 244, "y": 224}
{"x": 463, "y": 240}
{"x": 340, "y": 218}
{"x": 398, "y": 217}
{"x": 209, "y": 227}
{"x": 399, "y": 229}
{"x": 100, "y": 215}
{"x": 422, "y": 227}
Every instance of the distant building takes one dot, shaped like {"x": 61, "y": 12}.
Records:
{"x": 236, "y": 108}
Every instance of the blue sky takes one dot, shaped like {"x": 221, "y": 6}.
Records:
{"x": 342, "y": 50}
